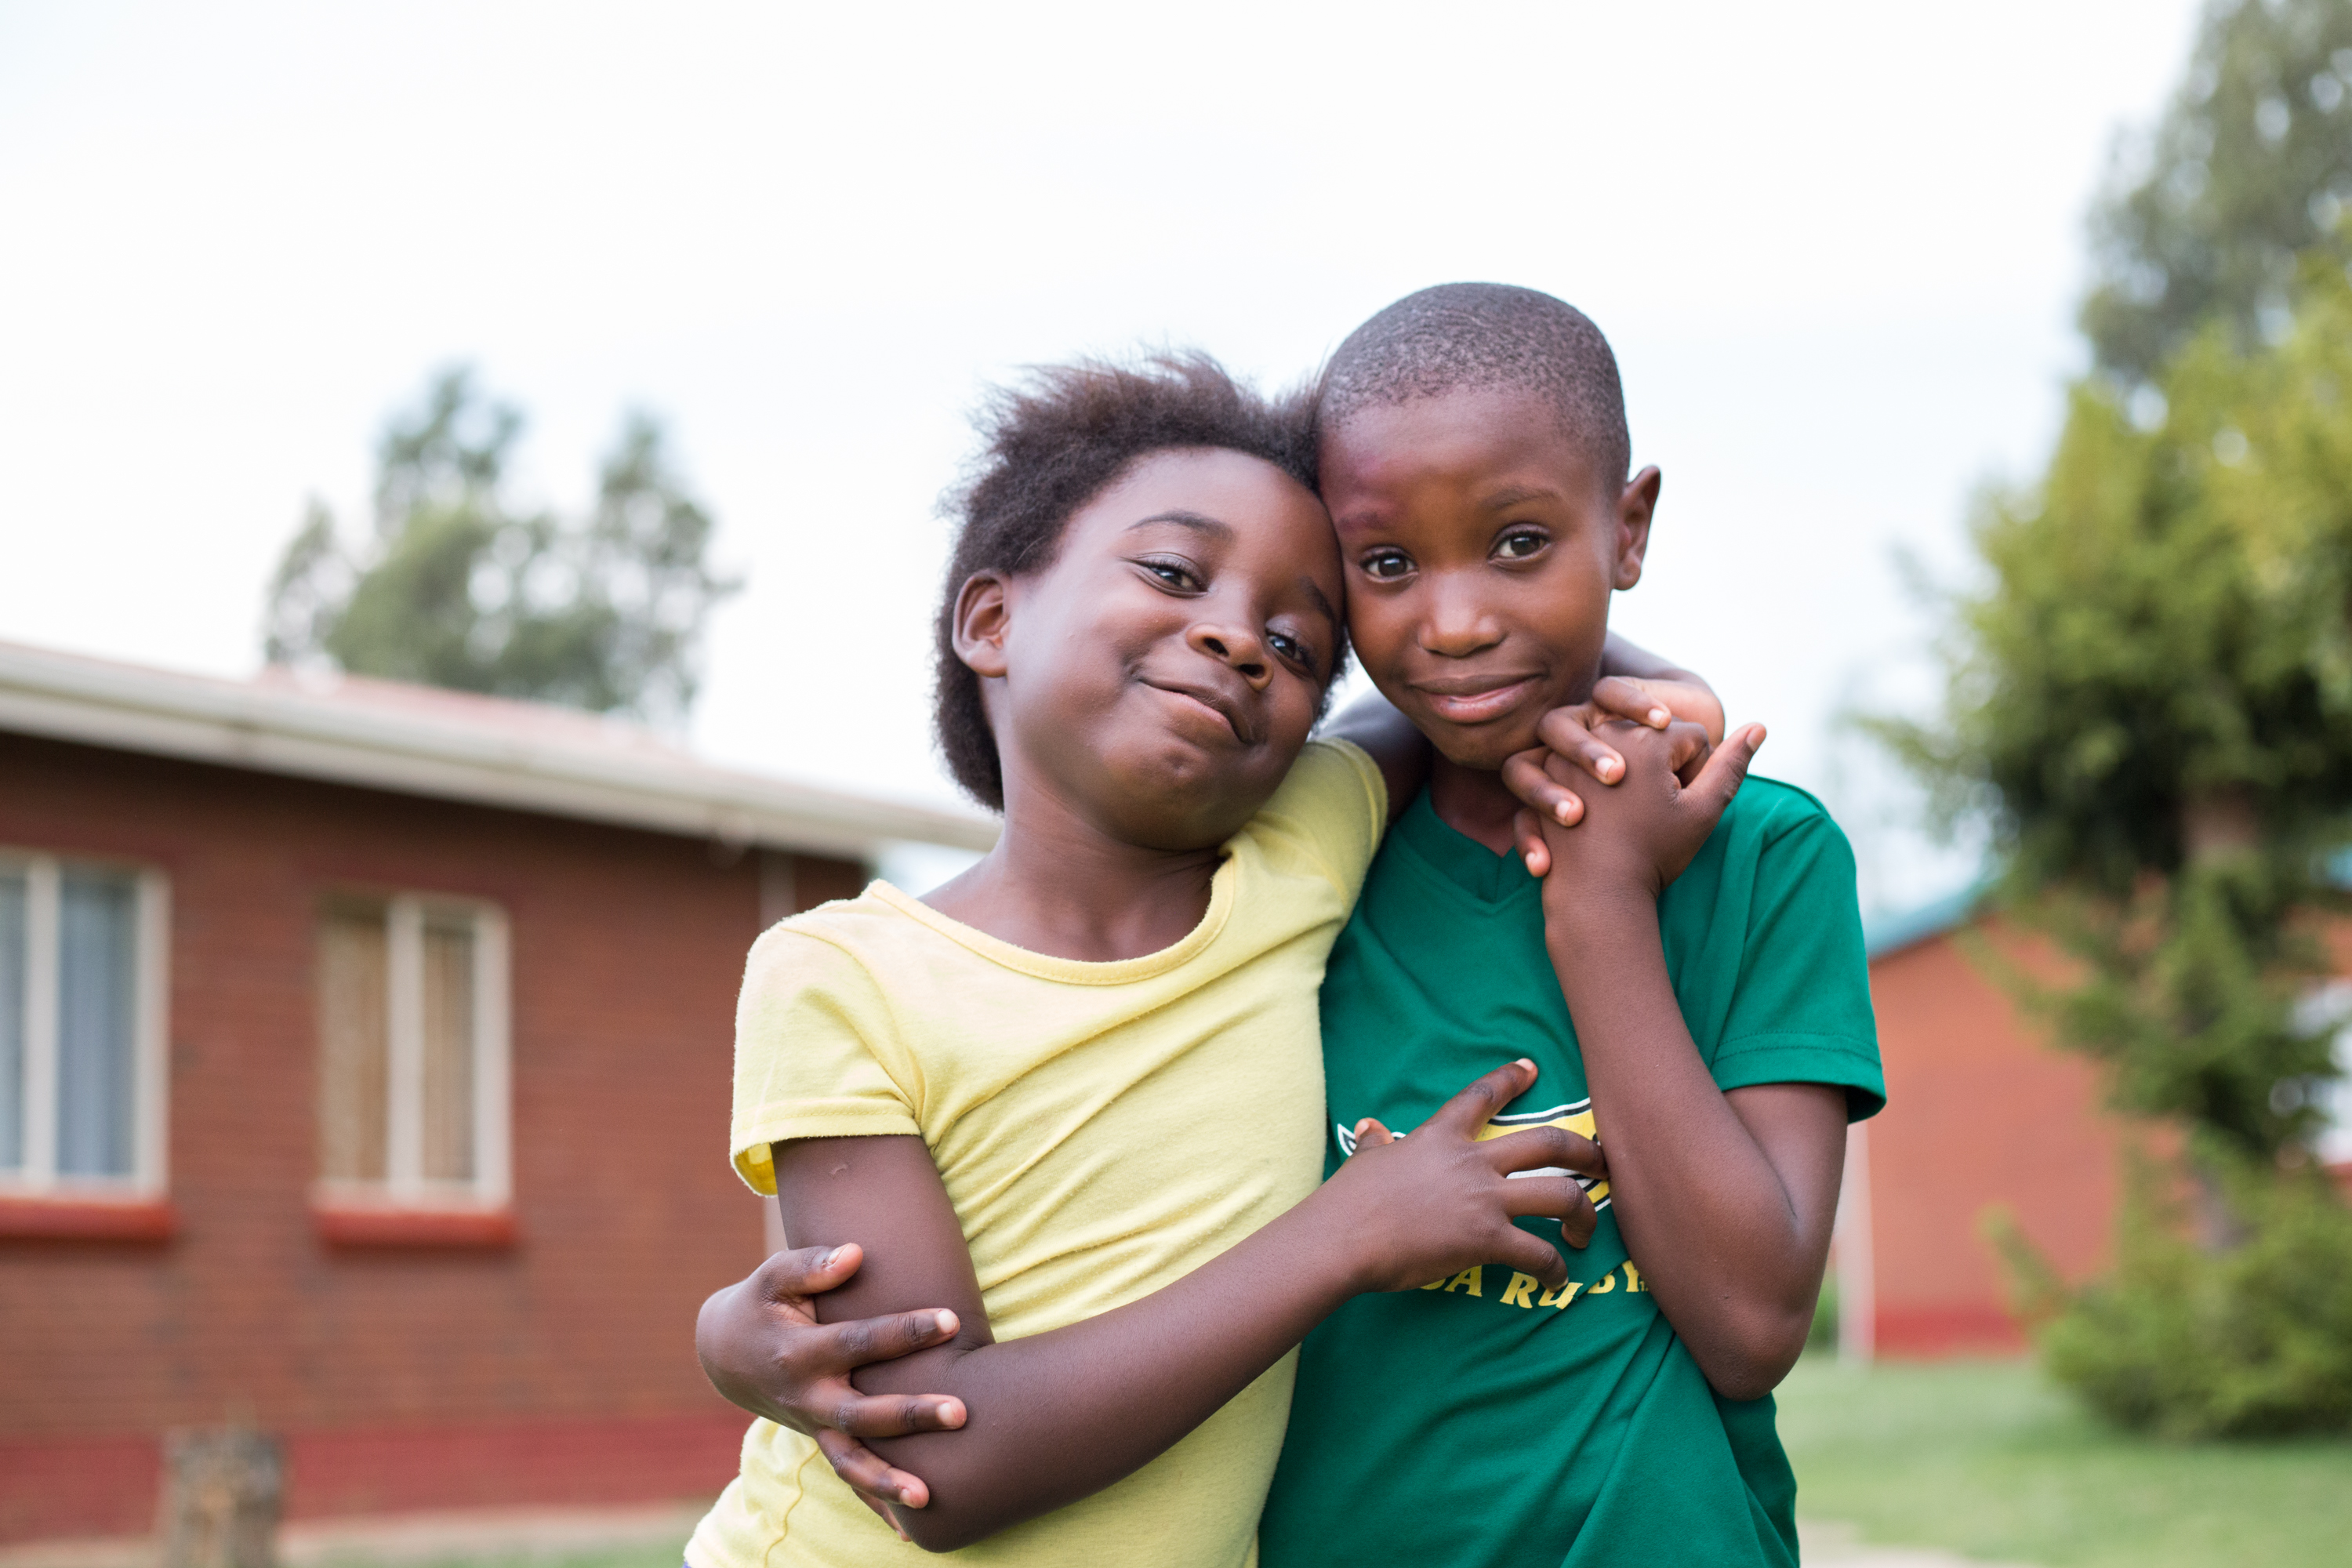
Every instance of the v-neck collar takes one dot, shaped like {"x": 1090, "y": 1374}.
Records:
{"x": 1489, "y": 878}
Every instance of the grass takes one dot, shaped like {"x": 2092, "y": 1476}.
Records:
{"x": 1984, "y": 1458}
{"x": 630, "y": 1546}
{"x": 1988, "y": 1459}
{"x": 636, "y": 1555}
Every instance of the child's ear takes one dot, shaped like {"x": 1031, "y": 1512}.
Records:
{"x": 983, "y": 618}
{"x": 1635, "y": 504}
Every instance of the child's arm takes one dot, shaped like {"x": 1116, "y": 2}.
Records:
{"x": 1726, "y": 1200}
{"x": 1634, "y": 684}
{"x": 1056, "y": 1416}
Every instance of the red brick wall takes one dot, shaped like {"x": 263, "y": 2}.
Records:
{"x": 1980, "y": 1111}
{"x": 401, "y": 1378}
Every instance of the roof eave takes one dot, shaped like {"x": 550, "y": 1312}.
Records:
{"x": 287, "y": 733}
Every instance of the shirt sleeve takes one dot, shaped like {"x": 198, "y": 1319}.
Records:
{"x": 808, "y": 1028}
{"x": 1801, "y": 1012}
{"x": 1331, "y": 809}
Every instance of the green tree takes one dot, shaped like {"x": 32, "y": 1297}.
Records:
{"x": 458, "y": 588}
{"x": 2151, "y": 697}
{"x": 2250, "y": 165}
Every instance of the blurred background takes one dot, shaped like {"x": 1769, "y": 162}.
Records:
{"x": 474, "y": 470}
{"x": 1838, "y": 249}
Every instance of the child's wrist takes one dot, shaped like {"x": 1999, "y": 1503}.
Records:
{"x": 1334, "y": 1244}
{"x": 1603, "y": 903}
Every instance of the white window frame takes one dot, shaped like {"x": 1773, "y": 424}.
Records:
{"x": 43, "y": 875}
{"x": 404, "y": 1187}
{"x": 2330, "y": 1004}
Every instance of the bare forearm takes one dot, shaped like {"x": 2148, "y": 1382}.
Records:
{"x": 1733, "y": 1257}
{"x": 1058, "y": 1416}
{"x": 1401, "y": 751}
{"x": 1621, "y": 656}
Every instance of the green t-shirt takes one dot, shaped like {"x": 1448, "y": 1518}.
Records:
{"x": 1480, "y": 1422}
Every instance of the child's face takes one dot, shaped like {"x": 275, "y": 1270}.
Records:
{"x": 1161, "y": 675}
{"x": 1481, "y": 547}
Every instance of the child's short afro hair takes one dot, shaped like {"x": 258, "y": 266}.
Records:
{"x": 1486, "y": 336}
{"x": 1049, "y": 445}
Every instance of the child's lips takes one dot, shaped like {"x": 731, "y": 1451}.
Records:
{"x": 1476, "y": 706}
{"x": 1216, "y": 711}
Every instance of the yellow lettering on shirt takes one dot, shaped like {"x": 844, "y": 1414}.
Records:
{"x": 1516, "y": 1293}
{"x": 1436, "y": 1284}
{"x": 1633, "y": 1280}
{"x": 1474, "y": 1275}
{"x": 1561, "y": 1297}
{"x": 1602, "y": 1286}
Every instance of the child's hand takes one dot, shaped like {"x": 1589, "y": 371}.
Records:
{"x": 1638, "y": 839}
{"x": 1575, "y": 734}
{"x": 763, "y": 1349}
{"x": 1436, "y": 1202}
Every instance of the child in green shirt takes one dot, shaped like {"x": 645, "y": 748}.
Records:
{"x": 1714, "y": 1034}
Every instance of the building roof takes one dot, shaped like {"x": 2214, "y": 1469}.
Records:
{"x": 451, "y": 746}
{"x": 1884, "y": 934}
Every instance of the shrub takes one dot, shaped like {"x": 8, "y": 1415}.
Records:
{"x": 2250, "y": 1339}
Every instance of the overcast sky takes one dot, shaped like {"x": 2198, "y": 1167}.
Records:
{"x": 1837, "y": 248}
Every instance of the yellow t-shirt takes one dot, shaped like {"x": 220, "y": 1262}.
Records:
{"x": 1102, "y": 1129}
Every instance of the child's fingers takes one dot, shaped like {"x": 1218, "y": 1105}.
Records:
{"x": 1545, "y": 1149}
{"x": 1525, "y": 776}
{"x": 1554, "y": 1197}
{"x": 1527, "y": 834}
{"x": 1687, "y": 749}
{"x": 874, "y": 1506}
{"x": 1630, "y": 698}
{"x": 1574, "y": 739}
{"x": 889, "y": 1414}
{"x": 1580, "y": 1220}
{"x": 1468, "y": 1111}
{"x": 1638, "y": 699}
{"x": 837, "y": 1349}
{"x": 869, "y": 1476}
{"x": 1727, "y": 769}
{"x": 1530, "y": 1255}
{"x": 807, "y": 1270}
{"x": 1370, "y": 1133}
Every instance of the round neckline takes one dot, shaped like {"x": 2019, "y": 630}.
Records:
{"x": 1078, "y": 971}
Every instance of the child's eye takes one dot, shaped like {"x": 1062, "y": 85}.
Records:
{"x": 1386, "y": 565}
{"x": 1520, "y": 543}
{"x": 1291, "y": 648}
{"x": 1174, "y": 574}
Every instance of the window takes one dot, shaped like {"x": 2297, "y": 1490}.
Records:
{"x": 412, "y": 996}
{"x": 81, "y": 1028}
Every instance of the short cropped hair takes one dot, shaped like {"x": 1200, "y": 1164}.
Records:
{"x": 1050, "y": 443}
{"x": 1486, "y": 336}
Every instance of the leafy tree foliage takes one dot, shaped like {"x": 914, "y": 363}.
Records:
{"x": 2152, "y": 698}
{"x": 458, "y": 588}
{"x": 2251, "y": 165}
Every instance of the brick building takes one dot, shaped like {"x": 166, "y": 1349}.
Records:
{"x": 363, "y": 1075}
{"x": 1982, "y": 1111}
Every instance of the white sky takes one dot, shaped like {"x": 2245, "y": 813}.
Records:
{"x": 1837, "y": 248}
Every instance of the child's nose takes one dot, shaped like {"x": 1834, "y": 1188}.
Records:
{"x": 1232, "y": 646}
{"x": 1456, "y": 625}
